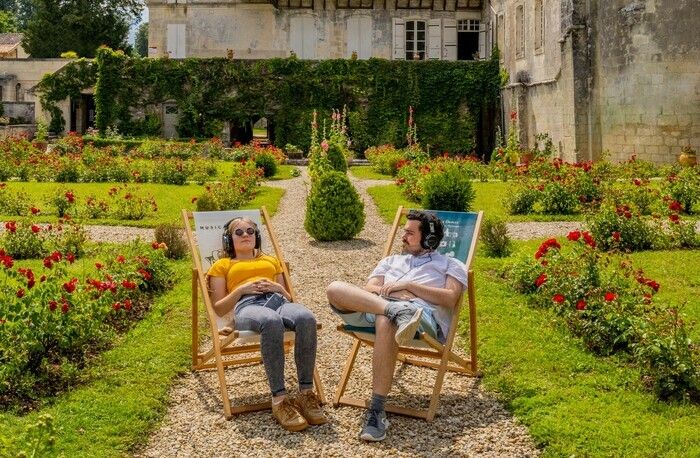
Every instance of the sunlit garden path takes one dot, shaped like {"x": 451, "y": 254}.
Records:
{"x": 470, "y": 421}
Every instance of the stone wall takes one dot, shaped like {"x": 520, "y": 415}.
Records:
{"x": 19, "y": 110}
{"x": 648, "y": 76}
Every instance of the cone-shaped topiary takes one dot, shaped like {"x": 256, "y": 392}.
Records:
{"x": 336, "y": 157}
{"x": 334, "y": 210}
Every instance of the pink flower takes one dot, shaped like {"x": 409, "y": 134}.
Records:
{"x": 324, "y": 145}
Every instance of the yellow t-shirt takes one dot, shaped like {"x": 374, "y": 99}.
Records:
{"x": 239, "y": 271}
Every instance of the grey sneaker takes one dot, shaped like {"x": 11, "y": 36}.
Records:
{"x": 406, "y": 315}
{"x": 375, "y": 427}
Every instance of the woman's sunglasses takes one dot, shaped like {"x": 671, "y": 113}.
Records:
{"x": 249, "y": 231}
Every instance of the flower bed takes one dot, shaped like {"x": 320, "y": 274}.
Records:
{"x": 610, "y": 306}
{"x": 54, "y": 318}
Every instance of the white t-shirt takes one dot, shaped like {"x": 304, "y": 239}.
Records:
{"x": 430, "y": 269}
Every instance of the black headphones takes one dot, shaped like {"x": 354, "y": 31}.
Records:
{"x": 432, "y": 230}
{"x": 227, "y": 240}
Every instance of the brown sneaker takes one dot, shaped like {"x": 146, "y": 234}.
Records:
{"x": 288, "y": 417}
{"x": 310, "y": 407}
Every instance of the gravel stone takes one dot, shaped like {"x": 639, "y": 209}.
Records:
{"x": 470, "y": 421}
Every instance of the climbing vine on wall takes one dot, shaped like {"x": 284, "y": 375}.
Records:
{"x": 66, "y": 83}
{"x": 448, "y": 97}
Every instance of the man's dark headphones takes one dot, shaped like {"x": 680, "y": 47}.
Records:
{"x": 432, "y": 230}
{"x": 227, "y": 239}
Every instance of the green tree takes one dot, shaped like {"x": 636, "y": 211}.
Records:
{"x": 141, "y": 43}
{"x": 79, "y": 25}
{"x": 8, "y": 22}
{"x": 22, "y": 10}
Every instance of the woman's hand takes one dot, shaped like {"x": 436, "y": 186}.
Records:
{"x": 252, "y": 287}
{"x": 267, "y": 286}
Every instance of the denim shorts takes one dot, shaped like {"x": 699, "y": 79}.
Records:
{"x": 364, "y": 322}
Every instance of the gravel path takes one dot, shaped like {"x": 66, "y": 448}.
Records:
{"x": 470, "y": 421}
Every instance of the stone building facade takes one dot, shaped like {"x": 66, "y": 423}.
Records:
{"x": 317, "y": 29}
{"x": 617, "y": 76}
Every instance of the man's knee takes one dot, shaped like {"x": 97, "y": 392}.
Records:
{"x": 335, "y": 291}
{"x": 383, "y": 325}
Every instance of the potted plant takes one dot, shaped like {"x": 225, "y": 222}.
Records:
{"x": 688, "y": 157}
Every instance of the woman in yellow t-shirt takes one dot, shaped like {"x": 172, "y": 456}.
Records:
{"x": 251, "y": 283}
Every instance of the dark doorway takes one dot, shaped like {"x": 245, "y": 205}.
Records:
{"x": 467, "y": 45}
{"x": 82, "y": 113}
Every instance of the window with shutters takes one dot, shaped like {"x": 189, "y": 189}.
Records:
{"x": 359, "y": 37}
{"x": 295, "y": 3}
{"x": 18, "y": 93}
{"x": 519, "y": 32}
{"x": 354, "y": 4}
{"x": 415, "y": 40}
{"x": 413, "y": 4}
{"x": 539, "y": 26}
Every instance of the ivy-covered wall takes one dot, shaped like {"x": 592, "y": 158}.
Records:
{"x": 449, "y": 98}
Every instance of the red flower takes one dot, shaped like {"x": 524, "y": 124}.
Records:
{"x": 610, "y": 296}
{"x": 128, "y": 284}
{"x": 53, "y": 305}
{"x": 7, "y": 261}
{"x": 581, "y": 305}
{"x": 637, "y": 182}
{"x": 193, "y": 200}
{"x": 11, "y": 226}
{"x": 55, "y": 256}
{"x": 116, "y": 306}
{"x": 47, "y": 262}
{"x": 121, "y": 259}
{"x": 65, "y": 307}
{"x": 70, "y": 285}
{"x": 43, "y": 278}
{"x": 675, "y": 206}
{"x": 98, "y": 265}
{"x": 574, "y": 236}
{"x": 70, "y": 257}
{"x": 653, "y": 285}
{"x": 30, "y": 283}
{"x": 616, "y": 235}
{"x": 674, "y": 218}
{"x": 513, "y": 115}
{"x": 145, "y": 274}
{"x": 155, "y": 245}
{"x": 35, "y": 228}
{"x": 34, "y": 210}
{"x": 558, "y": 298}
{"x": 20, "y": 293}
{"x": 70, "y": 197}
{"x": 589, "y": 239}
{"x": 541, "y": 280}
{"x": 127, "y": 304}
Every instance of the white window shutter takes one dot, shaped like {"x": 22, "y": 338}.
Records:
{"x": 353, "y": 36}
{"x": 309, "y": 38}
{"x": 399, "y": 39}
{"x": 171, "y": 46}
{"x": 449, "y": 39}
{"x": 434, "y": 39}
{"x": 296, "y": 29}
{"x": 181, "y": 41}
{"x": 365, "y": 29}
{"x": 482, "y": 41}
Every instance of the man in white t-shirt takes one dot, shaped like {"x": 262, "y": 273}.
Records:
{"x": 414, "y": 291}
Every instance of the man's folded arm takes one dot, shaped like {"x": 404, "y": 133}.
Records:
{"x": 445, "y": 297}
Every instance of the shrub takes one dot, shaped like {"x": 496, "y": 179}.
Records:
{"x": 170, "y": 171}
{"x": 684, "y": 187}
{"x": 558, "y": 200}
{"x": 171, "y": 235}
{"x": 13, "y": 203}
{"x": 448, "y": 190}
{"x": 334, "y": 210}
{"x": 621, "y": 228}
{"x": 23, "y": 241}
{"x": 69, "y": 169}
{"x": 494, "y": 235}
{"x": 63, "y": 200}
{"x": 267, "y": 163}
{"x": 130, "y": 203}
{"x": 336, "y": 157}
{"x": 234, "y": 193}
{"x": 384, "y": 159}
{"x": 522, "y": 200}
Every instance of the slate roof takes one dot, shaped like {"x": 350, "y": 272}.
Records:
{"x": 9, "y": 42}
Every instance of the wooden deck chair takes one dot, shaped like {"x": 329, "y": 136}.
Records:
{"x": 461, "y": 234}
{"x": 239, "y": 347}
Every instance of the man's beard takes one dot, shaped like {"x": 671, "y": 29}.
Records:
{"x": 405, "y": 249}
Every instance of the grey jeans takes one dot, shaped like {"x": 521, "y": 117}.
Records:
{"x": 251, "y": 315}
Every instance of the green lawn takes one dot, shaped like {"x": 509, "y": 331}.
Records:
{"x": 489, "y": 198}
{"x": 574, "y": 403}
{"x": 365, "y": 172}
{"x": 171, "y": 200}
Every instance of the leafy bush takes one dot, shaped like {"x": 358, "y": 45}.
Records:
{"x": 267, "y": 163}
{"x": 448, "y": 189}
{"x": 13, "y": 203}
{"x": 334, "y": 210}
{"x": 130, "y": 203}
{"x": 171, "y": 235}
{"x": 522, "y": 200}
{"x": 63, "y": 200}
{"x": 24, "y": 240}
{"x": 170, "y": 171}
{"x": 621, "y": 228}
{"x": 234, "y": 193}
{"x": 494, "y": 235}
{"x": 684, "y": 187}
{"x": 336, "y": 157}
{"x": 558, "y": 200}
{"x": 384, "y": 159}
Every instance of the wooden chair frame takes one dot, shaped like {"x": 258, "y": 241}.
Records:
{"x": 238, "y": 343}
{"x": 431, "y": 348}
